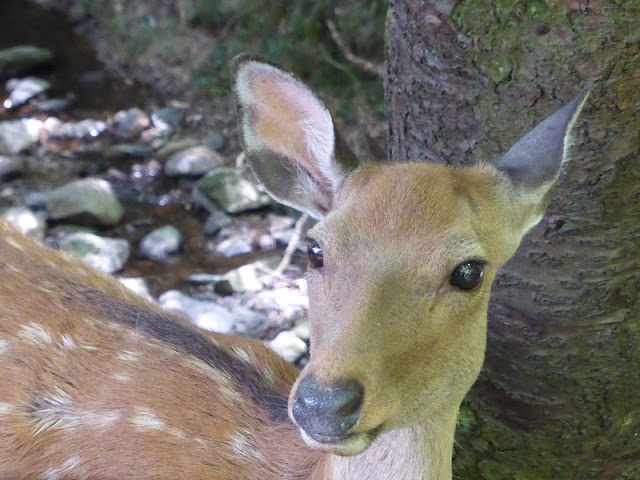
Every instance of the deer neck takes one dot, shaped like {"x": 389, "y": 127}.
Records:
{"x": 420, "y": 452}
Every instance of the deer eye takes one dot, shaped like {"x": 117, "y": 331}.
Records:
{"x": 314, "y": 252}
{"x": 468, "y": 275}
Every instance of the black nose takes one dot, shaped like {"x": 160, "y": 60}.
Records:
{"x": 327, "y": 411}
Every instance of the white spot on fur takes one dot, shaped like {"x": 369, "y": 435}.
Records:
{"x": 4, "y": 344}
{"x": 6, "y": 408}
{"x": 13, "y": 243}
{"x": 146, "y": 419}
{"x": 67, "y": 342}
{"x": 244, "y": 445}
{"x": 225, "y": 385}
{"x": 35, "y": 334}
{"x": 65, "y": 470}
{"x": 122, "y": 377}
{"x": 128, "y": 356}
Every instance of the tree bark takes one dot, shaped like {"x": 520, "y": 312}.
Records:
{"x": 559, "y": 396}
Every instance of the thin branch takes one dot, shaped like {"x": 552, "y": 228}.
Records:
{"x": 293, "y": 243}
{"x": 362, "y": 63}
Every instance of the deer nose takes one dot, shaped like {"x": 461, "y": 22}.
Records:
{"x": 327, "y": 411}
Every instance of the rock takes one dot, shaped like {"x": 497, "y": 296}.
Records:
{"x": 138, "y": 285}
{"x": 127, "y": 150}
{"x": 53, "y": 105}
{"x": 90, "y": 200}
{"x": 194, "y": 161}
{"x": 215, "y": 141}
{"x": 84, "y": 129}
{"x": 24, "y": 90}
{"x": 22, "y": 58}
{"x": 288, "y": 346}
{"x": 11, "y": 167}
{"x": 130, "y": 123}
{"x": 168, "y": 119}
{"x": 245, "y": 278}
{"x": 234, "y": 246}
{"x": 203, "y": 278}
{"x": 302, "y": 330}
{"x": 19, "y": 135}
{"x": 215, "y": 222}
{"x": 27, "y": 222}
{"x": 230, "y": 189}
{"x": 161, "y": 243}
{"x": 204, "y": 314}
{"x": 249, "y": 322}
{"x": 106, "y": 254}
{"x": 175, "y": 146}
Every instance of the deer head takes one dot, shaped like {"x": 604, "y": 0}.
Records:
{"x": 401, "y": 260}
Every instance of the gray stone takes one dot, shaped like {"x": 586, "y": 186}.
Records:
{"x": 234, "y": 246}
{"x": 22, "y": 58}
{"x": 82, "y": 130}
{"x": 215, "y": 141}
{"x": 11, "y": 167}
{"x": 19, "y": 135}
{"x": 106, "y": 254}
{"x": 127, "y": 150}
{"x": 204, "y": 314}
{"x": 26, "y": 221}
{"x": 215, "y": 222}
{"x": 230, "y": 189}
{"x": 203, "y": 278}
{"x": 53, "y": 105}
{"x": 130, "y": 123}
{"x": 161, "y": 243}
{"x": 194, "y": 161}
{"x": 168, "y": 119}
{"x": 90, "y": 200}
{"x": 249, "y": 322}
{"x": 288, "y": 346}
{"x": 24, "y": 90}
{"x": 245, "y": 278}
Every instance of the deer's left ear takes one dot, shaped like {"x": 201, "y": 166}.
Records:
{"x": 534, "y": 163}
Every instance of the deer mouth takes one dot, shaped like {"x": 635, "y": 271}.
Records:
{"x": 347, "y": 445}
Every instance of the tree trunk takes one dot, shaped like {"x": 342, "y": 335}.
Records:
{"x": 559, "y": 395}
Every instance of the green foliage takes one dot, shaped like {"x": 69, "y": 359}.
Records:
{"x": 296, "y": 35}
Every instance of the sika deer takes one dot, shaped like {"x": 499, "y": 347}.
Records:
{"x": 96, "y": 382}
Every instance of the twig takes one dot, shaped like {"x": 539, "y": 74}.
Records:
{"x": 293, "y": 243}
{"x": 362, "y": 63}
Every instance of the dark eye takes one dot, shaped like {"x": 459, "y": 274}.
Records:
{"x": 314, "y": 252}
{"x": 467, "y": 275}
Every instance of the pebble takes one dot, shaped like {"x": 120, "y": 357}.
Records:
{"x": 234, "y": 246}
{"x": 230, "y": 189}
{"x": 245, "y": 278}
{"x": 215, "y": 222}
{"x": 19, "y": 135}
{"x": 89, "y": 200}
{"x": 130, "y": 123}
{"x": 161, "y": 243}
{"x": 11, "y": 167}
{"x": 207, "y": 315}
{"x": 26, "y": 221}
{"x": 194, "y": 161}
{"x": 105, "y": 254}
{"x": 288, "y": 346}
{"x": 23, "y": 90}
{"x": 168, "y": 119}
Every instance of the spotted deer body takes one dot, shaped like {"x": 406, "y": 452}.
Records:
{"x": 96, "y": 382}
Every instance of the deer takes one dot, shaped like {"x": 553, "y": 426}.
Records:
{"x": 97, "y": 382}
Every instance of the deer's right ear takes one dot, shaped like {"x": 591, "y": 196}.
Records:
{"x": 288, "y": 136}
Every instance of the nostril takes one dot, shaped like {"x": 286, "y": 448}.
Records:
{"x": 327, "y": 411}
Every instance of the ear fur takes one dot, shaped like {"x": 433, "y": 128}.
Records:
{"x": 288, "y": 136}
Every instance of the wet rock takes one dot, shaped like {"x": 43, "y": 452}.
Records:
{"x": 127, "y": 150}
{"x": 203, "y": 278}
{"x": 130, "y": 123}
{"x": 288, "y": 346}
{"x": 53, "y": 105}
{"x": 204, "y": 314}
{"x": 234, "y": 246}
{"x": 22, "y": 58}
{"x": 138, "y": 285}
{"x": 230, "y": 189}
{"x": 106, "y": 254}
{"x": 19, "y": 135}
{"x": 245, "y": 278}
{"x": 82, "y": 130}
{"x": 215, "y": 222}
{"x": 168, "y": 119}
{"x": 161, "y": 243}
{"x": 249, "y": 322}
{"x": 175, "y": 146}
{"x": 11, "y": 167}
{"x": 26, "y": 221}
{"x": 24, "y": 90}
{"x": 215, "y": 141}
{"x": 194, "y": 161}
{"x": 90, "y": 200}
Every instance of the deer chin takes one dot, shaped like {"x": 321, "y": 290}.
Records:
{"x": 345, "y": 446}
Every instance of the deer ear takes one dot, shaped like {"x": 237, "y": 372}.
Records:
{"x": 288, "y": 136}
{"x": 535, "y": 162}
